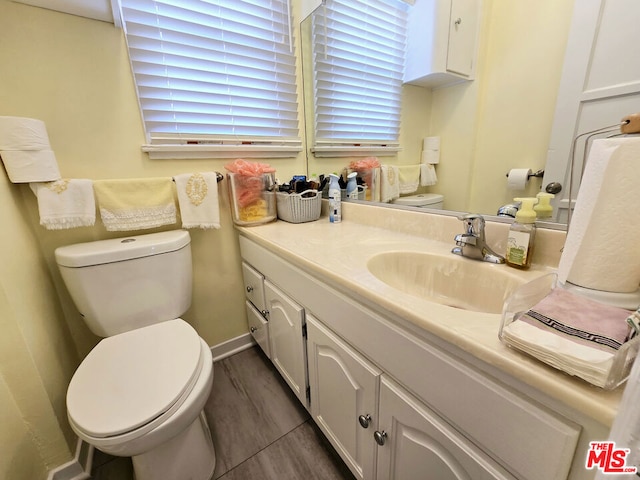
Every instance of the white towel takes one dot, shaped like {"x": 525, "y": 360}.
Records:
{"x": 198, "y": 199}
{"x": 65, "y": 203}
{"x": 428, "y": 175}
{"x": 135, "y": 204}
{"x": 389, "y": 183}
{"x": 26, "y": 166}
{"x": 409, "y": 178}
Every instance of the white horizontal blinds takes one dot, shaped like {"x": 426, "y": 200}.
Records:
{"x": 213, "y": 69}
{"x": 358, "y": 49}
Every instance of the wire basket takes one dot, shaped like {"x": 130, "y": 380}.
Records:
{"x": 297, "y": 208}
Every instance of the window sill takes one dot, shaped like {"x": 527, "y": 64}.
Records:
{"x": 326, "y": 151}
{"x": 160, "y": 152}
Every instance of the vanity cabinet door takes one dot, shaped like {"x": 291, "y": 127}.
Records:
{"x": 286, "y": 342}
{"x": 344, "y": 391}
{"x": 413, "y": 442}
{"x": 253, "y": 286}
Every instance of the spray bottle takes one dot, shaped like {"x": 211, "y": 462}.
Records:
{"x": 335, "y": 199}
{"x": 352, "y": 186}
{"x": 522, "y": 235}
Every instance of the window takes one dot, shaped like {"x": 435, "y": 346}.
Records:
{"x": 358, "y": 51}
{"x": 214, "y": 75}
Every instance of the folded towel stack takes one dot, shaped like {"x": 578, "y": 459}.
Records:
{"x": 26, "y": 152}
{"x": 136, "y": 204}
{"x": 65, "y": 203}
{"x": 572, "y": 333}
{"x": 198, "y": 200}
{"x": 430, "y": 157}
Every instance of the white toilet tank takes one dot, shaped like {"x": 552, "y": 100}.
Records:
{"x": 421, "y": 200}
{"x": 127, "y": 283}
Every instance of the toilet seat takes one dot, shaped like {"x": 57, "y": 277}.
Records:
{"x": 132, "y": 382}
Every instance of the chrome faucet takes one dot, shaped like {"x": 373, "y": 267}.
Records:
{"x": 472, "y": 243}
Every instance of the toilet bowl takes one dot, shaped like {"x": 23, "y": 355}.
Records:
{"x": 421, "y": 200}
{"x": 141, "y": 391}
{"x": 141, "y": 394}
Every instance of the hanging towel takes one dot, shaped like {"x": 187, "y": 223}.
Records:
{"x": 389, "y": 183}
{"x": 135, "y": 204}
{"x": 409, "y": 178}
{"x": 428, "y": 175}
{"x": 198, "y": 199}
{"x": 65, "y": 203}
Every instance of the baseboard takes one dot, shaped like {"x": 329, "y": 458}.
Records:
{"x": 230, "y": 347}
{"x": 77, "y": 469}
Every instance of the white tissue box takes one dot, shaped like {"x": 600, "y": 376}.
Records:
{"x": 606, "y": 370}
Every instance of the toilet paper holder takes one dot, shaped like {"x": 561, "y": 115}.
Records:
{"x": 539, "y": 174}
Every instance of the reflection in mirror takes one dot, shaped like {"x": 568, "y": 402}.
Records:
{"x": 499, "y": 121}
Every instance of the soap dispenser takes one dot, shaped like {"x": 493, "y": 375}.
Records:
{"x": 522, "y": 235}
{"x": 543, "y": 209}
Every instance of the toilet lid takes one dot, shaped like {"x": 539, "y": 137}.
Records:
{"x": 419, "y": 200}
{"x": 130, "y": 379}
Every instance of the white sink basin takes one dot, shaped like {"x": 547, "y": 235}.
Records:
{"x": 450, "y": 280}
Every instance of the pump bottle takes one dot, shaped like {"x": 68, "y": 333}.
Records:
{"x": 335, "y": 199}
{"x": 522, "y": 235}
{"x": 543, "y": 208}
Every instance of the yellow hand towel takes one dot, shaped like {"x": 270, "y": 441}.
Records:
{"x": 409, "y": 178}
{"x": 136, "y": 204}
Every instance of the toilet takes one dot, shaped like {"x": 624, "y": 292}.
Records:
{"x": 421, "y": 200}
{"x": 141, "y": 391}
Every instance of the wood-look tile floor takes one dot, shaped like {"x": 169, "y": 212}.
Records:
{"x": 259, "y": 429}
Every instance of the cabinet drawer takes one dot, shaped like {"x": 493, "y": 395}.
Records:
{"x": 253, "y": 286}
{"x": 259, "y": 328}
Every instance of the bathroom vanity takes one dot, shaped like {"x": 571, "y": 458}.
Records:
{"x": 404, "y": 381}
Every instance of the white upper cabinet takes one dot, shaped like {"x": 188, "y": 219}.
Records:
{"x": 441, "y": 42}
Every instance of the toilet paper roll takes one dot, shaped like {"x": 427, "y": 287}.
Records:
{"x": 517, "y": 178}
{"x": 18, "y": 133}
{"x": 431, "y": 143}
{"x": 601, "y": 250}
{"x": 25, "y": 166}
{"x": 430, "y": 157}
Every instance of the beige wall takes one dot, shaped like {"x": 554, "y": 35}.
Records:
{"x": 502, "y": 120}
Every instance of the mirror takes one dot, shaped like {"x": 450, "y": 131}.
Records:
{"x": 499, "y": 121}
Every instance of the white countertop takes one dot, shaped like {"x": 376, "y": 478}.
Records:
{"x": 338, "y": 254}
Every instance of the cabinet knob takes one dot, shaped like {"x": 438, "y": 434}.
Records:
{"x": 249, "y": 289}
{"x": 265, "y": 313}
{"x": 380, "y": 437}
{"x": 253, "y": 329}
{"x": 458, "y": 21}
{"x": 364, "y": 420}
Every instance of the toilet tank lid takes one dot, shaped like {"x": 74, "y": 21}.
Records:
{"x": 118, "y": 249}
{"x": 419, "y": 199}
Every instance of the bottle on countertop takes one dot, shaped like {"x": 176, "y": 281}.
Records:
{"x": 352, "y": 186}
{"x": 522, "y": 235}
{"x": 335, "y": 199}
{"x": 543, "y": 208}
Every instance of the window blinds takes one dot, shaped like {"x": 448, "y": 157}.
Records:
{"x": 358, "y": 50}
{"x": 215, "y": 69}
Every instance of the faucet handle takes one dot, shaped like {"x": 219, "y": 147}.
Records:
{"x": 474, "y": 223}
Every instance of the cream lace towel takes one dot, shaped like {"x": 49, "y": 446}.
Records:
{"x": 65, "y": 203}
{"x": 198, "y": 200}
{"x": 136, "y": 204}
